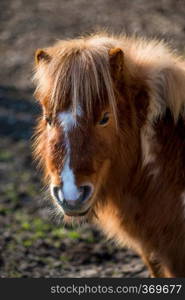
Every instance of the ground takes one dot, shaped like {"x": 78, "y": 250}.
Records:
{"x": 32, "y": 242}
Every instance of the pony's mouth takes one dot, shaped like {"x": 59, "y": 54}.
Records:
{"x": 77, "y": 214}
{"x": 76, "y": 211}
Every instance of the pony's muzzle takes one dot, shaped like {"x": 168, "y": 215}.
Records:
{"x": 77, "y": 205}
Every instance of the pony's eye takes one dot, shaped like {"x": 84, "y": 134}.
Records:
{"x": 48, "y": 120}
{"x": 105, "y": 119}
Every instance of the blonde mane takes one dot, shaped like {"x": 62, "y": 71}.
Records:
{"x": 79, "y": 72}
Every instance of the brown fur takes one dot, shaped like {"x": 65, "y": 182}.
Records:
{"x": 137, "y": 161}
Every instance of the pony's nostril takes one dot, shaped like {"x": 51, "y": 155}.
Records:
{"x": 57, "y": 193}
{"x": 85, "y": 192}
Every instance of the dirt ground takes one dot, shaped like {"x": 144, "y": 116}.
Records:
{"x": 32, "y": 242}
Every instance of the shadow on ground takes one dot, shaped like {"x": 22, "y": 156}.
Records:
{"x": 18, "y": 112}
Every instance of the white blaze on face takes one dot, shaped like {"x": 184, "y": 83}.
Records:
{"x": 70, "y": 190}
{"x": 67, "y": 121}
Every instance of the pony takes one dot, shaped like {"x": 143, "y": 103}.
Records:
{"x": 111, "y": 141}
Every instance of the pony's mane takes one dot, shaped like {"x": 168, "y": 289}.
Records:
{"x": 79, "y": 73}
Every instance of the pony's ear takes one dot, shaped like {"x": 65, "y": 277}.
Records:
{"x": 116, "y": 58}
{"x": 41, "y": 55}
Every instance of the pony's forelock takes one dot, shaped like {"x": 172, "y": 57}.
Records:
{"x": 79, "y": 74}
{"x": 81, "y": 78}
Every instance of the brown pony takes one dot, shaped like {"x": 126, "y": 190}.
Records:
{"x": 111, "y": 141}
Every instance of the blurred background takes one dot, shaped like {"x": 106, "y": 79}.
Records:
{"x": 32, "y": 243}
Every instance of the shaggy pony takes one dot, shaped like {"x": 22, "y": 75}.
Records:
{"x": 111, "y": 141}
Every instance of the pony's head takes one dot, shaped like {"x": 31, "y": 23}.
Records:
{"x": 88, "y": 128}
